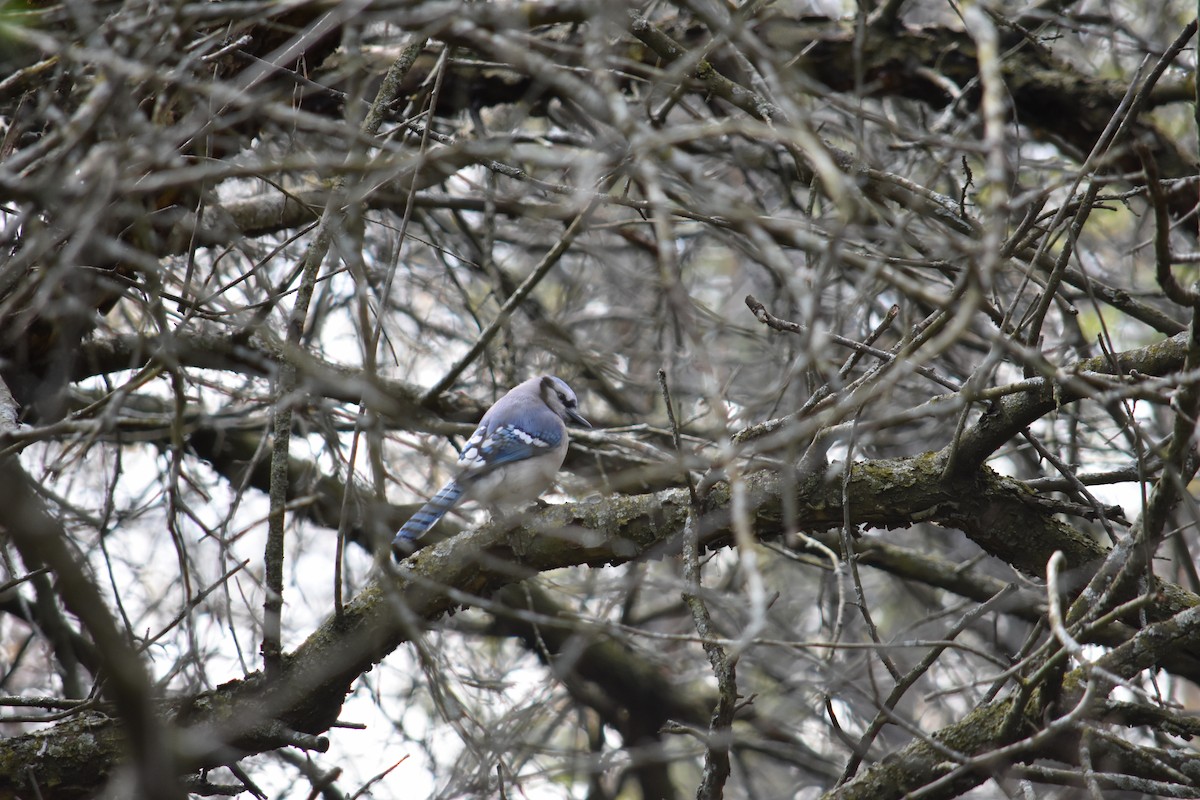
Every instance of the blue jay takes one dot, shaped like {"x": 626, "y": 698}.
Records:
{"x": 510, "y": 459}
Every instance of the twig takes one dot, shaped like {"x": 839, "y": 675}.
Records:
{"x": 849, "y": 558}
{"x": 716, "y": 753}
{"x": 675, "y": 437}
{"x": 314, "y": 256}
{"x": 1076, "y": 485}
{"x": 1059, "y": 629}
{"x": 1162, "y": 234}
{"x": 771, "y": 321}
{"x": 859, "y": 749}
{"x": 540, "y": 271}
{"x": 1117, "y": 129}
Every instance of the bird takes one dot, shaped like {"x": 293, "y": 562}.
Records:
{"x": 510, "y": 459}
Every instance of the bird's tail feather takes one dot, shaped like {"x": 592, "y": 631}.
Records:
{"x": 420, "y": 522}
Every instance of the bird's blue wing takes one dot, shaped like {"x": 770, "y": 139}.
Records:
{"x": 504, "y": 444}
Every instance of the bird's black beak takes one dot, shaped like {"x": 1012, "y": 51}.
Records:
{"x": 577, "y": 418}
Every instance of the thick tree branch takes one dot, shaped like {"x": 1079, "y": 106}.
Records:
{"x": 993, "y": 511}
